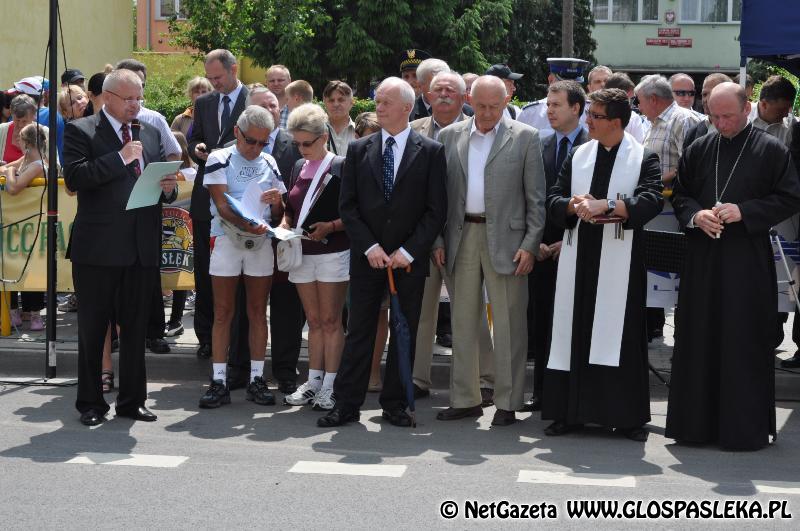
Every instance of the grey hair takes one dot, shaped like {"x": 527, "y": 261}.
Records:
{"x": 680, "y": 75}
{"x": 223, "y": 56}
{"x": 255, "y": 91}
{"x": 429, "y": 68}
{"x": 255, "y": 116}
{"x": 309, "y": 118}
{"x": 654, "y": 85}
{"x": 120, "y": 76}
{"x": 460, "y": 84}
{"x": 599, "y": 68}
{"x": 406, "y": 92}
{"x": 22, "y": 105}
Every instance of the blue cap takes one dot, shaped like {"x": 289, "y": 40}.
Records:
{"x": 567, "y": 67}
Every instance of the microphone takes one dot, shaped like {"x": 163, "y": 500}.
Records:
{"x": 135, "y": 129}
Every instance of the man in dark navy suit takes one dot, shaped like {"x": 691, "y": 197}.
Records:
{"x": 393, "y": 204}
{"x": 115, "y": 252}
{"x": 215, "y": 114}
{"x": 565, "y": 103}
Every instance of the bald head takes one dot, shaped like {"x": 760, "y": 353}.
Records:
{"x": 489, "y": 98}
{"x": 711, "y": 81}
{"x": 728, "y": 108}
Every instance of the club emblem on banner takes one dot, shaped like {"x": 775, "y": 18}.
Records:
{"x": 177, "y": 251}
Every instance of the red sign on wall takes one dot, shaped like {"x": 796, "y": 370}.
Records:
{"x": 669, "y": 32}
{"x": 680, "y": 43}
{"x": 657, "y": 42}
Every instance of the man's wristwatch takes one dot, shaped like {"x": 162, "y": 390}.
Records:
{"x": 612, "y": 204}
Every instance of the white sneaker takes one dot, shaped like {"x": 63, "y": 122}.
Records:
{"x": 324, "y": 401}
{"x": 304, "y": 395}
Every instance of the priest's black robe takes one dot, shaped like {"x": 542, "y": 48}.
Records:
{"x": 723, "y": 380}
{"x": 616, "y": 397}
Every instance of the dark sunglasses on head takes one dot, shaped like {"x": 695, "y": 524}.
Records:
{"x": 683, "y": 93}
{"x": 252, "y": 141}
{"x": 307, "y": 143}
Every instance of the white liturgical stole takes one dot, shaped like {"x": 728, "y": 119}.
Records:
{"x": 615, "y": 262}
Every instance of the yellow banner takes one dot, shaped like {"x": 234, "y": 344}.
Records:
{"x": 23, "y": 233}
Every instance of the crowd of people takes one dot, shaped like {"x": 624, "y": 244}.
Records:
{"x": 540, "y": 211}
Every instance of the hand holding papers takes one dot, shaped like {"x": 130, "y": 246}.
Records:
{"x": 147, "y": 190}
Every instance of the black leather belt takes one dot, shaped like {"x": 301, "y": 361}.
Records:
{"x": 474, "y": 218}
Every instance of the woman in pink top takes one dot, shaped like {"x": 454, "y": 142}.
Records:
{"x": 323, "y": 276}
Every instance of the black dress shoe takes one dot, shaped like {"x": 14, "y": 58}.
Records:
{"x": 92, "y": 418}
{"x": 560, "y": 427}
{"x": 503, "y": 418}
{"x": 287, "y": 387}
{"x": 487, "y": 397}
{"x": 638, "y": 434}
{"x": 204, "y": 352}
{"x": 793, "y": 362}
{"x": 140, "y": 413}
{"x": 157, "y": 345}
{"x": 455, "y": 413}
{"x": 398, "y": 417}
{"x": 534, "y": 404}
{"x": 338, "y": 417}
{"x": 419, "y": 392}
{"x": 444, "y": 340}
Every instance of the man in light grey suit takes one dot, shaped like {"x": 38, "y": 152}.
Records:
{"x": 495, "y": 220}
{"x": 447, "y": 96}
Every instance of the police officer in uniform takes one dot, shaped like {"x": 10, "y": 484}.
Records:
{"x": 409, "y": 61}
{"x": 535, "y": 113}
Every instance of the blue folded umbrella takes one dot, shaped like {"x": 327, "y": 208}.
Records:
{"x": 402, "y": 335}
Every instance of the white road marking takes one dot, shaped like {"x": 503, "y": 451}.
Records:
{"x": 348, "y": 469}
{"x": 155, "y": 461}
{"x": 575, "y": 478}
{"x": 778, "y": 487}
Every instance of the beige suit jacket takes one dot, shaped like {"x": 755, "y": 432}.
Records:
{"x": 424, "y": 126}
{"x": 514, "y": 183}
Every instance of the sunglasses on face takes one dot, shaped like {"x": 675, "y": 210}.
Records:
{"x": 307, "y": 143}
{"x": 684, "y": 93}
{"x": 254, "y": 142}
{"x": 595, "y": 116}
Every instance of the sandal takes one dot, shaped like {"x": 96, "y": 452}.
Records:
{"x": 107, "y": 378}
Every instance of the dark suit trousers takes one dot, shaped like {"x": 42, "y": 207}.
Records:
{"x": 541, "y": 299}
{"x": 286, "y": 320}
{"x": 366, "y": 294}
{"x": 204, "y": 301}
{"x": 97, "y": 288}
{"x": 156, "y": 322}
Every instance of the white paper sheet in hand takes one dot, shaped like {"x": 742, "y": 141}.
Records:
{"x": 249, "y": 206}
{"x": 147, "y": 190}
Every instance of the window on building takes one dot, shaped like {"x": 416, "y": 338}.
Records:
{"x": 168, "y": 9}
{"x": 711, "y": 11}
{"x": 625, "y": 10}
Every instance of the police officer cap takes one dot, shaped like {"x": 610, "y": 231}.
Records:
{"x": 410, "y": 59}
{"x": 567, "y": 67}
{"x": 503, "y": 72}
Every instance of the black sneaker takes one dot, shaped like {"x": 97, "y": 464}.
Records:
{"x": 258, "y": 392}
{"x": 216, "y": 395}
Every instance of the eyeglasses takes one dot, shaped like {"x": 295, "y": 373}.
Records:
{"x": 137, "y": 101}
{"x": 595, "y": 116}
{"x": 307, "y": 143}
{"x": 684, "y": 93}
{"x": 253, "y": 141}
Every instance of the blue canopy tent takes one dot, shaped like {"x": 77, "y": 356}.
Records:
{"x": 770, "y": 31}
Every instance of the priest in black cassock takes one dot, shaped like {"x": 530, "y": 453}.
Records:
{"x": 732, "y": 187}
{"x": 597, "y": 370}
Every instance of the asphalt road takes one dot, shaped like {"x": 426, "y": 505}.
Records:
{"x": 248, "y": 465}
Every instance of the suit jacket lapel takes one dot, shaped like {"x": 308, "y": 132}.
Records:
{"x": 463, "y": 147}
{"x": 413, "y": 147}
{"x": 375, "y": 158}
{"x": 500, "y": 140}
{"x": 281, "y": 142}
{"x": 106, "y": 131}
{"x": 549, "y": 158}
{"x": 238, "y": 107}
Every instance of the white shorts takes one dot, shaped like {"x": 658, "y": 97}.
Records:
{"x": 329, "y": 267}
{"x": 229, "y": 261}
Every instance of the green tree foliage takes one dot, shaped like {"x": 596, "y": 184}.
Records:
{"x": 356, "y": 40}
{"x": 534, "y": 35}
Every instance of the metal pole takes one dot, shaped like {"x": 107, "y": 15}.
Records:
{"x": 567, "y": 23}
{"x": 52, "y": 197}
